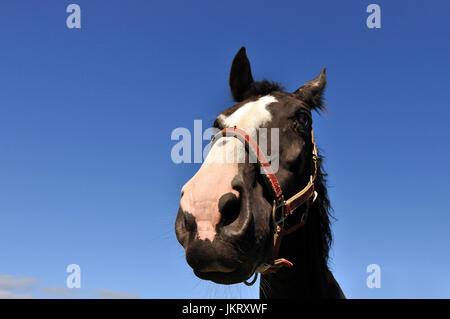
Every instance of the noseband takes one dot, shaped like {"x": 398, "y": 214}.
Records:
{"x": 281, "y": 208}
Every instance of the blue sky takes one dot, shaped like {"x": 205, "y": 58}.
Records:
{"x": 86, "y": 117}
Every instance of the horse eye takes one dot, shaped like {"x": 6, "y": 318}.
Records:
{"x": 303, "y": 121}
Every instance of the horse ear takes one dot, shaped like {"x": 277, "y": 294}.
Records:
{"x": 240, "y": 75}
{"x": 311, "y": 92}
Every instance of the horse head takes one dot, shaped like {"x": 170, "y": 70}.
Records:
{"x": 226, "y": 221}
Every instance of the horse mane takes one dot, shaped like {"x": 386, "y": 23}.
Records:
{"x": 263, "y": 87}
{"x": 322, "y": 214}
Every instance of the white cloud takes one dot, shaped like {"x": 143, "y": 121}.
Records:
{"x": 109, "y": 294}
{"x": 19, "y": 287}
{"x": 60, "y": 292}
{"x": 10, "y": 282}
{"x": 5, "y": 294}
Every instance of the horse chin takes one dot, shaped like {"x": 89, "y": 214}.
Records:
{"x": 226, "y": 278}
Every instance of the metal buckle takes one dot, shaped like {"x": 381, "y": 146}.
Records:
{"x": 283, "y": 216}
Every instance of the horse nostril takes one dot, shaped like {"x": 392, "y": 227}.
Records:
{"x": 229, "y": 208}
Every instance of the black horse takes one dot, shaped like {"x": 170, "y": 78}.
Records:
{"x": 227, "y": 217}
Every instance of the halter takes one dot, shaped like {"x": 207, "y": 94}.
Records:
{"x": 281, "y": 208}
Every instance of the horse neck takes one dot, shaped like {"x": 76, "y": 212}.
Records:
{"x": 310, "y": 276}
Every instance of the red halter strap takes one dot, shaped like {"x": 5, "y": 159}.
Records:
{"x": 253, "y": 147}
{"x": 286, "y": 207}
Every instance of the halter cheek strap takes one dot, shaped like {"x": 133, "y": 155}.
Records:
{"x": 281, "y": 208}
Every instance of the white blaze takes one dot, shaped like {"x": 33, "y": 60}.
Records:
{"x": 250, "y": 115}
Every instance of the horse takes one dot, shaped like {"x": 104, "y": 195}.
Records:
{"x": 240, "y": 218}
